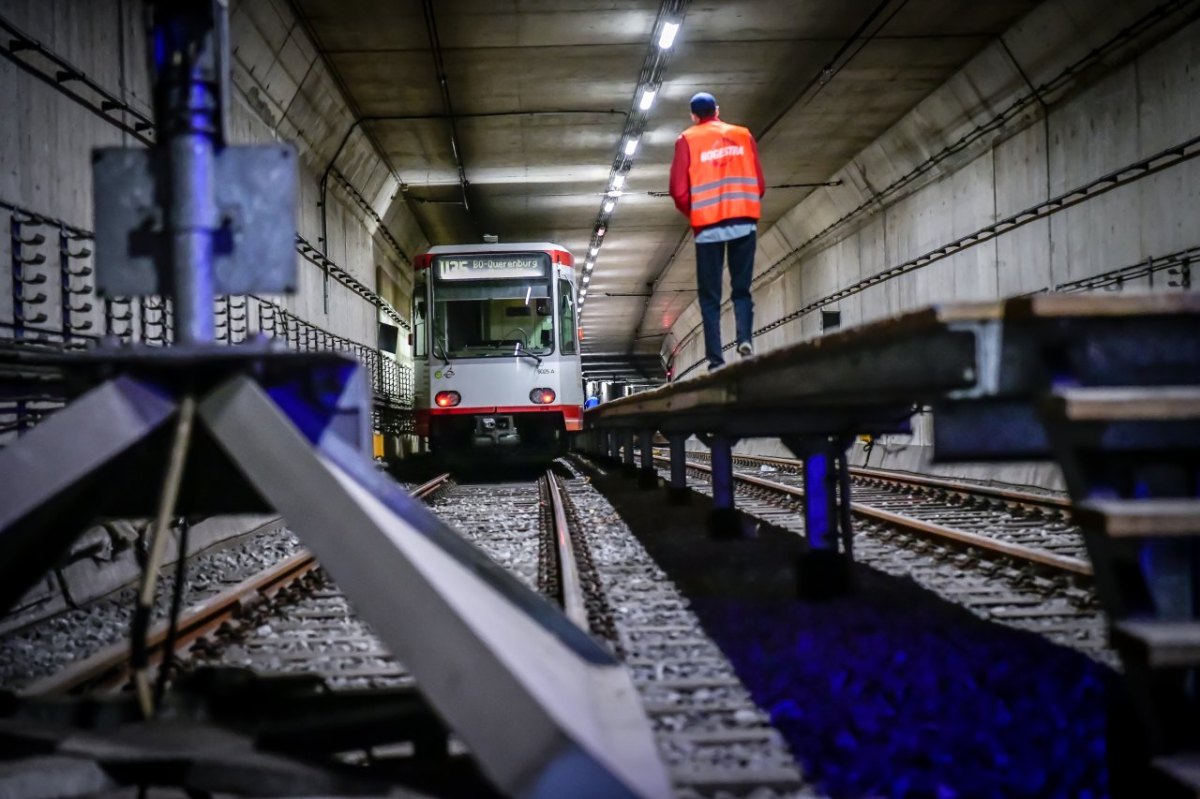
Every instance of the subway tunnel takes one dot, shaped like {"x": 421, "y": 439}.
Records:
{"x": 273, "y": 265}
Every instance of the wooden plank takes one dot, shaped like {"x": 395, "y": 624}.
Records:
{"x": 1163, "y": 644}
{"x": 982, "y": 311}
{"x": 1139, "y": 518}
{"x": 728, "y": 386}
{"x": 1098, "y": 304}
{"x": 1113, "y": 404}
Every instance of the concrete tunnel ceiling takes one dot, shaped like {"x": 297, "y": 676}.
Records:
{"x": 536, "y": 95}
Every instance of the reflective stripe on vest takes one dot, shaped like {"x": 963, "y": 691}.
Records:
{"x": 722, "y": 174}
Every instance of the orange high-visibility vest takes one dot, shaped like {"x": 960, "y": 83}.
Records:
{"x": 722, "y": 173}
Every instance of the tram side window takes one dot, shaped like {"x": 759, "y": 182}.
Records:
{"x": 420, "y": 331}
{"x": 566, "y": 315}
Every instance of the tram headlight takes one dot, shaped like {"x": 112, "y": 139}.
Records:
{"x": 542, "y": 396}
{"x": 447, "y": 399}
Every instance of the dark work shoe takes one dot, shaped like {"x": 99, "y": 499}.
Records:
{"x": 713, "y": 367}
{"x": 745, "y": 349}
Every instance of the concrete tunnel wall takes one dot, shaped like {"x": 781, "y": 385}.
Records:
{"x": 1138, "y": 101}
{"x": 281, "y": 90}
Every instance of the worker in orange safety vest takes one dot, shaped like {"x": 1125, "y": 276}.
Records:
{"x": 717, "y": 183}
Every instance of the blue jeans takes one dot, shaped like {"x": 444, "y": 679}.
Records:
{"x": 709, "y": 263}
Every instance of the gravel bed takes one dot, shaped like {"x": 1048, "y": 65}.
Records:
{"x": 714, "y": 738}
{"x": 311, "y": 630}
{"x": 1044, "y": 528}
{"x": 891, "y": 691}
{"x": 502, "y": 519}
{"x": 40, "y": 650}
{"x": 904, "y": 701}
{"x": 1001, "y": 590}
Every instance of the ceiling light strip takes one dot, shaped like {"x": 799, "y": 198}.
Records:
{"x": 658, "y": 55}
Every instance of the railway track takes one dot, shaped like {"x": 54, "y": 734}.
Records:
{"x": 563, "y": 537}
{"x": 559, "y": 536}
{"x": 974, "y": 548}
{"x": 223, "y": 628}
{"x": 712, "y": 736}
{"x": 1023, "y": 525}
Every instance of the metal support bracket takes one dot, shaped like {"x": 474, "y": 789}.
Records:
{"x": 678, "y": 492}
{"x": 647, "y": 474}
{"x": 254, "y": 191}
{"x": 824, "y": 568}
{"x": 628, "y": 458}
{"x": 504, "y": 657}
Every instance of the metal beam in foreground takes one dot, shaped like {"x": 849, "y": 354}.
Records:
{"x": 546, "y": 710}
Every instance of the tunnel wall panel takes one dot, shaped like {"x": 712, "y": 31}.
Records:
{"x": 1137, "y": 101}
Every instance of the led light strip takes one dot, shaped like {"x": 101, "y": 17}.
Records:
{"x": 666, "y": 29}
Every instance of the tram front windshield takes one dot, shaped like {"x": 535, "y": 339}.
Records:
{"x": 492, "y": 318}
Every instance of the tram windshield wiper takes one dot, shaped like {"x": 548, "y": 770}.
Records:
{"x": 522, "y": 352}
{"x": 445, "y": 358}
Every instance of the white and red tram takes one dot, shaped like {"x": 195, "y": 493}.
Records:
{"x": 496, "y": 350}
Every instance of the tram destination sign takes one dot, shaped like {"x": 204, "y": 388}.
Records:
{"x": 492, "y": 265}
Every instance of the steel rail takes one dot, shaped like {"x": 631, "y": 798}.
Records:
{"x": 1011, "y": 495}
{"x": 109, "y": 668}
{"x": 1016, "y": 551}
{"x": 569, "y": 586}
{"x": 927, "y": 481}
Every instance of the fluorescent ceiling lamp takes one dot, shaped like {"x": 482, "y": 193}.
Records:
{"x": 631, "y": 146}
{"x": 583, "y": 292}
{"x": 667, "y": 37}
{"x": 587, "y": 279}
{"x": 595, "y": 251}
{"x": 618, "y": 182}
{"x": 647, "y": 99}
{"x": 609, "y": 205}
{"x": 589, "y": 266}
{"x": 600, "y": 232}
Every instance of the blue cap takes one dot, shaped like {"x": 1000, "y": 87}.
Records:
{"x": 704, "y": 104}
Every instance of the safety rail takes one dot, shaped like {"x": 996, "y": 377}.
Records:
{"x": 1107, "y": 384}
{"x": 55, "y": 308}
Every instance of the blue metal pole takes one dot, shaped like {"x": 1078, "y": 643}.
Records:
{"x": 819, "y": 502}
